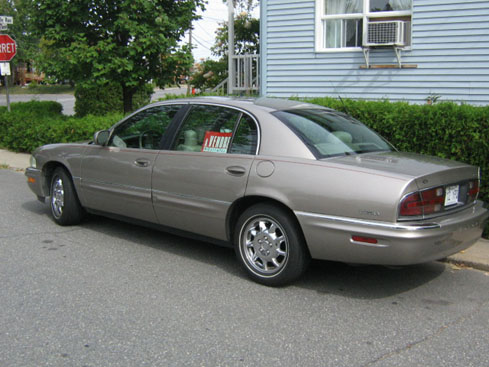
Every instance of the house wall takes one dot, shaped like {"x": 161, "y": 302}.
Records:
{"x": 450, "y": 46}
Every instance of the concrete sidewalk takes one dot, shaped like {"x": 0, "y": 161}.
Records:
{"x": 14, "y": 160}
{"x": 476, "y": 257}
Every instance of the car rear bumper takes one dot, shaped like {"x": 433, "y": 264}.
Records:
{"x": 330, "y": 238}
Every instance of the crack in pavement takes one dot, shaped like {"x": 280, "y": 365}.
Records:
{"x": 437, "y": 332}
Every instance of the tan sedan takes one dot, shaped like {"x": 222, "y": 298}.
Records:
{"x": 281, "y": 181}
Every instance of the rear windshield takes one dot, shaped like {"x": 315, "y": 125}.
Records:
{"x": 329, "y": 133}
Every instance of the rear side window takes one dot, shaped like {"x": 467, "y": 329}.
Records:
{"x": 217, "y": 129}
{"x": 246, "y": 137}
{"x": 207, "y": 129}
{"x": 329, "y": 133}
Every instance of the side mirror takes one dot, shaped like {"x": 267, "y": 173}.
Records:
{"x": 101, "y": 137}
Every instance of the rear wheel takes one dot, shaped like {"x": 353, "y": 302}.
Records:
{"x": 65, "y": 207}
{"x": 270, "y": 246}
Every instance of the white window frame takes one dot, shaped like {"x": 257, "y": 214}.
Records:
{"x": 366, "y": 15}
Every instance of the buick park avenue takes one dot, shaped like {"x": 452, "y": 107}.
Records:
{"x": 280, "y": 181}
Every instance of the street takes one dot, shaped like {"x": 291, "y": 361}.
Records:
{"x": 68, "y": 100}
{"x": 107, "y": 293}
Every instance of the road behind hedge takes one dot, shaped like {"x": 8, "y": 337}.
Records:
{"x": 68, "y": 100}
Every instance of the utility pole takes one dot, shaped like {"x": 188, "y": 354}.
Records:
{"x": 190, "y": 45}
{"x": 231, "y": 76}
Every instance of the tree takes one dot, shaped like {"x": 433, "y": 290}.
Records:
{"x": 246, "y": 36}
{"x": 129, "y": 42}
{"x": 209, "y": 73}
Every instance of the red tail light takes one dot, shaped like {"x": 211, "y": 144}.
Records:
{"x": 433, "y": 200}
{"x": 473, "y": 191}
{"x": 412, "y": 205}
{"x": 423, "y": 203}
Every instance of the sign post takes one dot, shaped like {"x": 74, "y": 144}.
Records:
{"x": 5, "y": 69}
{"x": 8, "y": 49}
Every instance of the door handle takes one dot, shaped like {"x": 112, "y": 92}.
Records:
{"x": 141, "y": 162}
{"x": 236, "y": 170}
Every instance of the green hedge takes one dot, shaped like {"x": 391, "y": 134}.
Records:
{"x": 44, "y": 108}
{"x": 33, "y": 124}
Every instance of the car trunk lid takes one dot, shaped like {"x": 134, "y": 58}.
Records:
{"x": 427, "y": 171}
{"x": 457, "y": 182}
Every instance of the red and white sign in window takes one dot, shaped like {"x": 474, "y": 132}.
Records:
{"x": 216, "y": 142}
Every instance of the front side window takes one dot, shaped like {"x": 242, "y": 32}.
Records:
{"x": 343, "y": 24}
{"x": 329, "y": 133}
{"x": 145, "y": 129}
{"x": 216, "y": 129}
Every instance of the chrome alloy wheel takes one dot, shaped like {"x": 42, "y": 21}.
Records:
{"x": 264, "y": 245}
{"x": 57, "y": 197}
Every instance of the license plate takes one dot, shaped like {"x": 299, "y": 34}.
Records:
{"x": 451, "y": 195}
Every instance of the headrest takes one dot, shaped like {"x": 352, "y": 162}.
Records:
{"x": 337, "y": 136}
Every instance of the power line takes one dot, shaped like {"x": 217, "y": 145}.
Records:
{"x": 200, "y": 43}
{"x": 208, "y": 43}
{"x": 202, "y": 39}
{"x": 212, "y": 18}
{"x": 205, "y": 31}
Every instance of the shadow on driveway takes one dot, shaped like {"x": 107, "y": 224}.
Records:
{"x": 325, "y": 277}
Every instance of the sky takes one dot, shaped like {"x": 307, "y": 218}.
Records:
{"x": 205, "y": 28}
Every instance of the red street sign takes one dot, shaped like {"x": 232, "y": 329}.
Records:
{"x": 8, "y": 48}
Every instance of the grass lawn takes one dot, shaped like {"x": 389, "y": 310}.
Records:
{"x": 39, "y": 89}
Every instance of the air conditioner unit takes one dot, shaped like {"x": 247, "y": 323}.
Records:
{"x": 386, "y": 33}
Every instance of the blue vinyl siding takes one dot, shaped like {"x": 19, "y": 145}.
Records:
{"x": 450, "y": 46}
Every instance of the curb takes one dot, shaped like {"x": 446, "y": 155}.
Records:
{"x": 476, "y": 256}
{"x": 467, "y": 264}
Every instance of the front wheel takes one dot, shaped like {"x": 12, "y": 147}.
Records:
{"x": 65, "y": 207}
{"x": 270, "y": 245}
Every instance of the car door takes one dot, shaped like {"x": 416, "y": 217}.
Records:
{"x": 205, "y": 170}
{"x": 116, "y": 178}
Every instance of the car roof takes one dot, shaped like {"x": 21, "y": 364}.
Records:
{"x": 263, "y": 103}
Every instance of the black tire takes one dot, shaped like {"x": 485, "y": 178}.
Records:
{"x": 65, "y": 207}
{"x": 270, "y": 246}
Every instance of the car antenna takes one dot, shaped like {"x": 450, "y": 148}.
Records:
{"x": 345, "y": 108}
